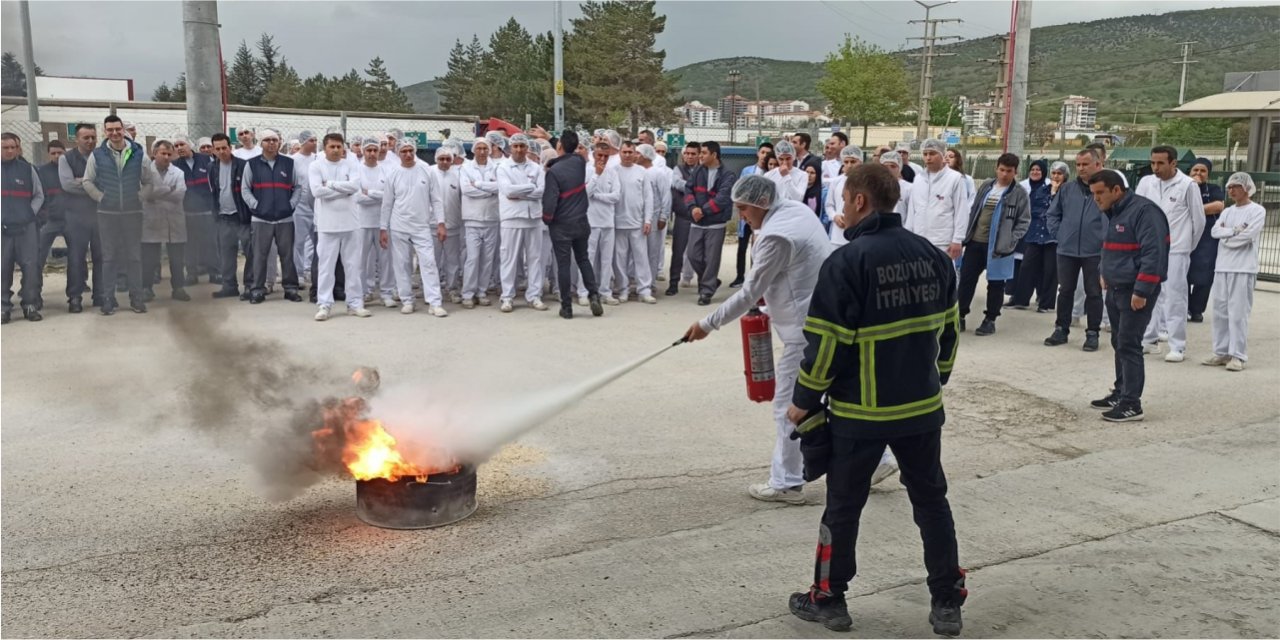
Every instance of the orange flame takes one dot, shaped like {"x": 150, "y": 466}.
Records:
{"x": 371, "y": 453}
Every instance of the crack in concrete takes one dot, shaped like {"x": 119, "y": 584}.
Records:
{"x": 1251, "y": 525}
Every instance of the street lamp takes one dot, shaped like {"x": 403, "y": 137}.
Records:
{"x": 733, "y": 105}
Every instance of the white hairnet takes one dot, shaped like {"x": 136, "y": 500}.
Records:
{"x": 903, "y": 146}
{"x": 394, "y": 133}
{"x": 371, "y": 142}
{"x": 613, "y": 138}
{"x": 269, "y": 133}
{"x": 181, "y": 137}
{"x": 1243, "y": 179}
{"x": 933, "y": 144}
{"x": 443, "y": 152}
{"x": 355, "y": 140}
{"x": 204, "y": 142}
{"x": 890, "y": 158}
{"x": 407, "y": 142}
{"x": 306, "y": 135}
{"x": 647, "y": 151}
{"x": 784, "y": 148}
{"x": 479, "y": 141}
{"x": 851, "y": 151}
{"x": 520, "y": 138}
{"x": 1060, "y": 166}
{"x": 754, "y": 190}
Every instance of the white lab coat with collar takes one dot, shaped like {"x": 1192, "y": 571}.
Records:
{"x": 520, "y": 187}
{"x": 602, "y": 198}
{"x": 635, "y": 197}
{"x": 479, "y": 186}
{"x": 369, "y": 198}
{"x": 1179, "y": 198}
{"x": 938, "y": 209}
{"x": 791, "y": 186}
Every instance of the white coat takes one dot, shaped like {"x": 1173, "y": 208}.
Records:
{"x": 334, "y": 185}
{"x": 410, "y": 200}
{"x": 479, "y": 186}
{"x": 660, "y": 183}
{"x": 791, "y": 186}
{"x": 602, "y": 198}
{"x": 369, "y": 198}
{"x": 635, "y": 197}
{"x": 162, "y": 217}
{"x": 520, "y": 187}
{"x": 450, "y": 195}
{"x": 938, "y": 209}
{"x": 1179, "y": 198}
{"x": 1238, "y": 230}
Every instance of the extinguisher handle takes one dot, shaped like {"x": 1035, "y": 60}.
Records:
{"x": 681, "y": 341}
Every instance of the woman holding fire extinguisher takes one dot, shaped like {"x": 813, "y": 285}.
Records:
{"x": 788, "y": 252}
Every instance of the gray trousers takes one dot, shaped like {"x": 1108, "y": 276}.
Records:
{"x": 264, "y": 235}
{"x": 304, "y": 246}
{"x": 679, "y": 243}
{"x": 21, "y": 250}
{"x": 379, "y": 277}
{"x": 232, "y": 238}
{"x": 201, "y": 252}
{"x": 121, "y": 235}
{"x": 151, "y": 262}
{"x": 705, "y": 247}
{"x": 83, "y": 242}
{"x": 449, "y": 258}
{"x": 481, "y": 252}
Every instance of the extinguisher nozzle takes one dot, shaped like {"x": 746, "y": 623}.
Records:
{"x": 681, "y": 341}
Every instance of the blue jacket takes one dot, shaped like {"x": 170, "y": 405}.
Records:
{"x": 199, "y": 198}
{"x": 1136, "y": 252}
{"x": 120, "y": 186}
{"x": 715, "y": 201}
{"x": 273, "y": 187}
{"x": 17, "y": 194}
{"x": 1205, "y": 255}
{"x": 237, "y": 173}
{"x": 1075, "y": 221}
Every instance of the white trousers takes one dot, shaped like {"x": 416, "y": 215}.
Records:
{"x": 517, "y": 241}
{"x": 787, "y": 469}
{"x": 1170, "y": 313}
{"x": 600, "y": 253}
{"x": 631, "y": 260}
{"x": 348, "y": 245}
{"x": 481, "y": 253}
{"x": 303, "y": 246}
{"x": 1232, "y": 302}
{"x": 377, "y": 265}
{"x": 657, "y": 239}
{"x": 403, "y": 247}
{"x": 449, "y": 258}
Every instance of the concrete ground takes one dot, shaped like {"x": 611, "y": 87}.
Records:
{"x": 627, "y": 515}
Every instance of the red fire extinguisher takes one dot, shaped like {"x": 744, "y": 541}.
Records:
{"x": 757, "y": 355}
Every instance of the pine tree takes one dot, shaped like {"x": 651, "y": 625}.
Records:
{"x": 179, "y": 93}
{"x": 243, "y": 82}
{"x": 268, "y": 65}
{"x": 381, "y": 92}
{"x": 286, "y": 89}
{"x": 162, "y": 93}
{"x": 456, "y": 86}
{"x": 612, "y": 69}
{"x": 347, "y": 92}
{"x": 14, "y": 80}
{"x": 316, "y": 93}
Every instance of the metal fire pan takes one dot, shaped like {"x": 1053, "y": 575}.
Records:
{"x": 443, "y": 499}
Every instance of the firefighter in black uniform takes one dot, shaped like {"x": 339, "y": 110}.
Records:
{"x": 882, "y": 332}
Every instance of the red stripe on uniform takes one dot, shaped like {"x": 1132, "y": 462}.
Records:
{"x": 192, "y": 183}
{"x": 1146, "y": 277}
{"x": 1120, "y": 246}
{"x": 572, "y": 192}
{"x": 713, "y": 205}
{"x": 16, "y": 194}
{"x": 272, "y": 185}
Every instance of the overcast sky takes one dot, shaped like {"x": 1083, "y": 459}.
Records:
{"x": 143, "y": 40}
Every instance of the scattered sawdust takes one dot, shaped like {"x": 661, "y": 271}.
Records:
{"x": 504, "y": 477}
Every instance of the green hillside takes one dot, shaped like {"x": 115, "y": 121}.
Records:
{"x": 708, "y": 81}
{"x": 423, "y": 97}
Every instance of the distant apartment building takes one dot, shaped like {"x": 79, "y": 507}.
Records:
{"x": 978, "y": 117}
{"x": 1079, "y": 112}
{"x": 729, "y": 106}
{"x": 698, "y": 114}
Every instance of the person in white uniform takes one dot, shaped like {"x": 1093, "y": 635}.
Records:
{"x": 792, "y": 182}
{"x": 449, "y": 251}
{"x": 850, "y": 156}
{"x": 378, "y": 279}
{"x": 479, "y": 186}
{"x": 893, "y": 163}
{"x": 1179, "y": 197}
{"x": 334, "y": 183}
{"x": 602, "y": 199}
{"x": 411, "y": 211}
{"x": 1238, "y": 230}
{"x": 632, "y": 219}
{"x": 938, "y": 209}
{"x": 788, "y": 252}
{"x": 520, "y": 182}
{"x": 304, "y": 215}
{"x": 660, "y": 183}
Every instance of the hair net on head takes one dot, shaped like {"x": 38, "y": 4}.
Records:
{"x": 204, "y": 142}
{"x": 443, "y": 152}
{"x": 933, "y": 144}
{"x": 305, "y": 135}
{"x": 520, "y": 138}
{"x": 755, "y": 190}
{"x": 407, "y": 142}
{"x": 1061, "y": 167}
{"x": 889, "y": 158}
{"x": 599, "y": 132}
{"x": 1243, "y": 179}
{"x": 358, "y": 140}
{"x": 852, "y": 151}
{"x": 268, "y": 134}
{"x": 181, "y": 137}
{"x": 395, "y": 133}
{"x": 647, "y": 151}
{"x": 660, "y": 146}
{"x": 903, "y": 146}
{"x": 613, "y": 138}
{"x": 547, "y": 155}
{"x": 371, "y": 142}
{"x": 478, "y": 142}
{"x": 784, "y": 148}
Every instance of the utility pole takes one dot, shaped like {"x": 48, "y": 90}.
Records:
{"x": 926, "y": 69}
{"x": 559, "y": 69}
{"x": 1186, "y": 55}
{"x": 998, "y": 96}
{"x": 1013, "y": 139}
{"x": 204, "y": 69}
{"x": 760, "y": 112}
{"x": 29, "y": 53}
{"x": 733, "y": 105}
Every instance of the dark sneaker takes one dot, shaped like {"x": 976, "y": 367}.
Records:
{"x": 108, "y": 307}
{"x": 566, "y": 312}
{"x": 257, "y": 298}
{"x": 987, "y": 328}
{"x": 1196, "y": 317}
{"x": 704, "y": 301}
{"x": 672, "y": 290}
{"x": 831, "y": 612}
{"x": 1127, "y": 412}
{"x": 945, "y": 618}
{"x": 1090, "y": 341}
{"x": 963, "y": 326}
{"x": 75, "y": 306}
{"x": 293, "y": 296}
{"x": 148, "y": 294}
{"x": 1059, "y": 337}
{"x": 246, "y": 295}
{"x": 226, "y": 293}
{"x": 32, "y": 313}
{"x": 737, "y": 282}
{"x": 138, "y": 306}
{"x": 181, "y": 295}
{"x": 597, "y": 309}
{"x": 1108, "y": 402}
{"x": 4, "y": 319}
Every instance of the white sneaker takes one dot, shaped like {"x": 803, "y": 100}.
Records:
{"x": 484, "y": 301}
{"x": 407, "y": 308}
{"x": 370, "y": 297}
{"x": 506, "y": 306}
{"x": 767, "y": 493}
{"x": 439, "y": 312}
{"x": 322, "y": 314}
{"x": 647, "y": 299}
{"x": 1174, "y": 356}
{"x": 1215, "y": 361}
{"x": 390, "y": 303}
{"x": 662, "y": 277}
{"x": 1107, "y": 328}
{"x": 883, "y": 471}
{"x": 610, "y": 300}
{"x": 1163, "y": 336}
{"x": 537, "y": 304}
{"x": 455, "y": 297}
{"x": 1075, "y": 322}
{"x": 583, "y": 301}
{"x": 359, "y": 313}
{"x": 1148, "y": 349}
{"x": 1236, "y": 364}
{"x": 624, "y": 298}
{"x": 685, "y": 284}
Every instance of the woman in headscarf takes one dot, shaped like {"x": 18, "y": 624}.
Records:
{"x": 1200, "y": 273}
{"x": 1039, "y": 270}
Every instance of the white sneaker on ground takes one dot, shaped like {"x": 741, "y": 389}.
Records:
{"x": 537, "y": 304}
{"x": 685, "y": 284}
{"x": 390, "y": 303}
{"x": 610, "y": 300}
{"x": 1174, "y": 356}
{"x": 506, "y": 307}
{"x": 1236, "y": 364}
{"x": 583, "y": 301}
{"x": 1163, "y": 336}
{"x": 484, "y": 301}
{"x": 767, "y": 493}
{"x": 662, "y": 277}
{"x": 1106, "y": 327}
{"x": 1148, "y": 349}
{"x": 359, "y": 313}
{"x": 624, "y": 298}
{"x": 1075, "y": 321}
{"x": 322, "y": 314}
{"x": 469, "y": 303}
{"x": 1215, "y": 361}
{"x": 407, "y": 308}
{"x": 647, "y": 299}
{"x": 455, "y": 297}
{"x": 439, "y": 312}
{"x": 884, "y": 470}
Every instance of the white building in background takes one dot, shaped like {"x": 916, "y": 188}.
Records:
{"x": 1079, "y": 112}
{"x": 698, "y": 114}
{"x": 67, "y": 88}
{"x": 977, "y": 117}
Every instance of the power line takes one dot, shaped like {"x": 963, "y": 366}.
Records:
{"x": 1129, "y": 65}
{"x": 926, "y": 72}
